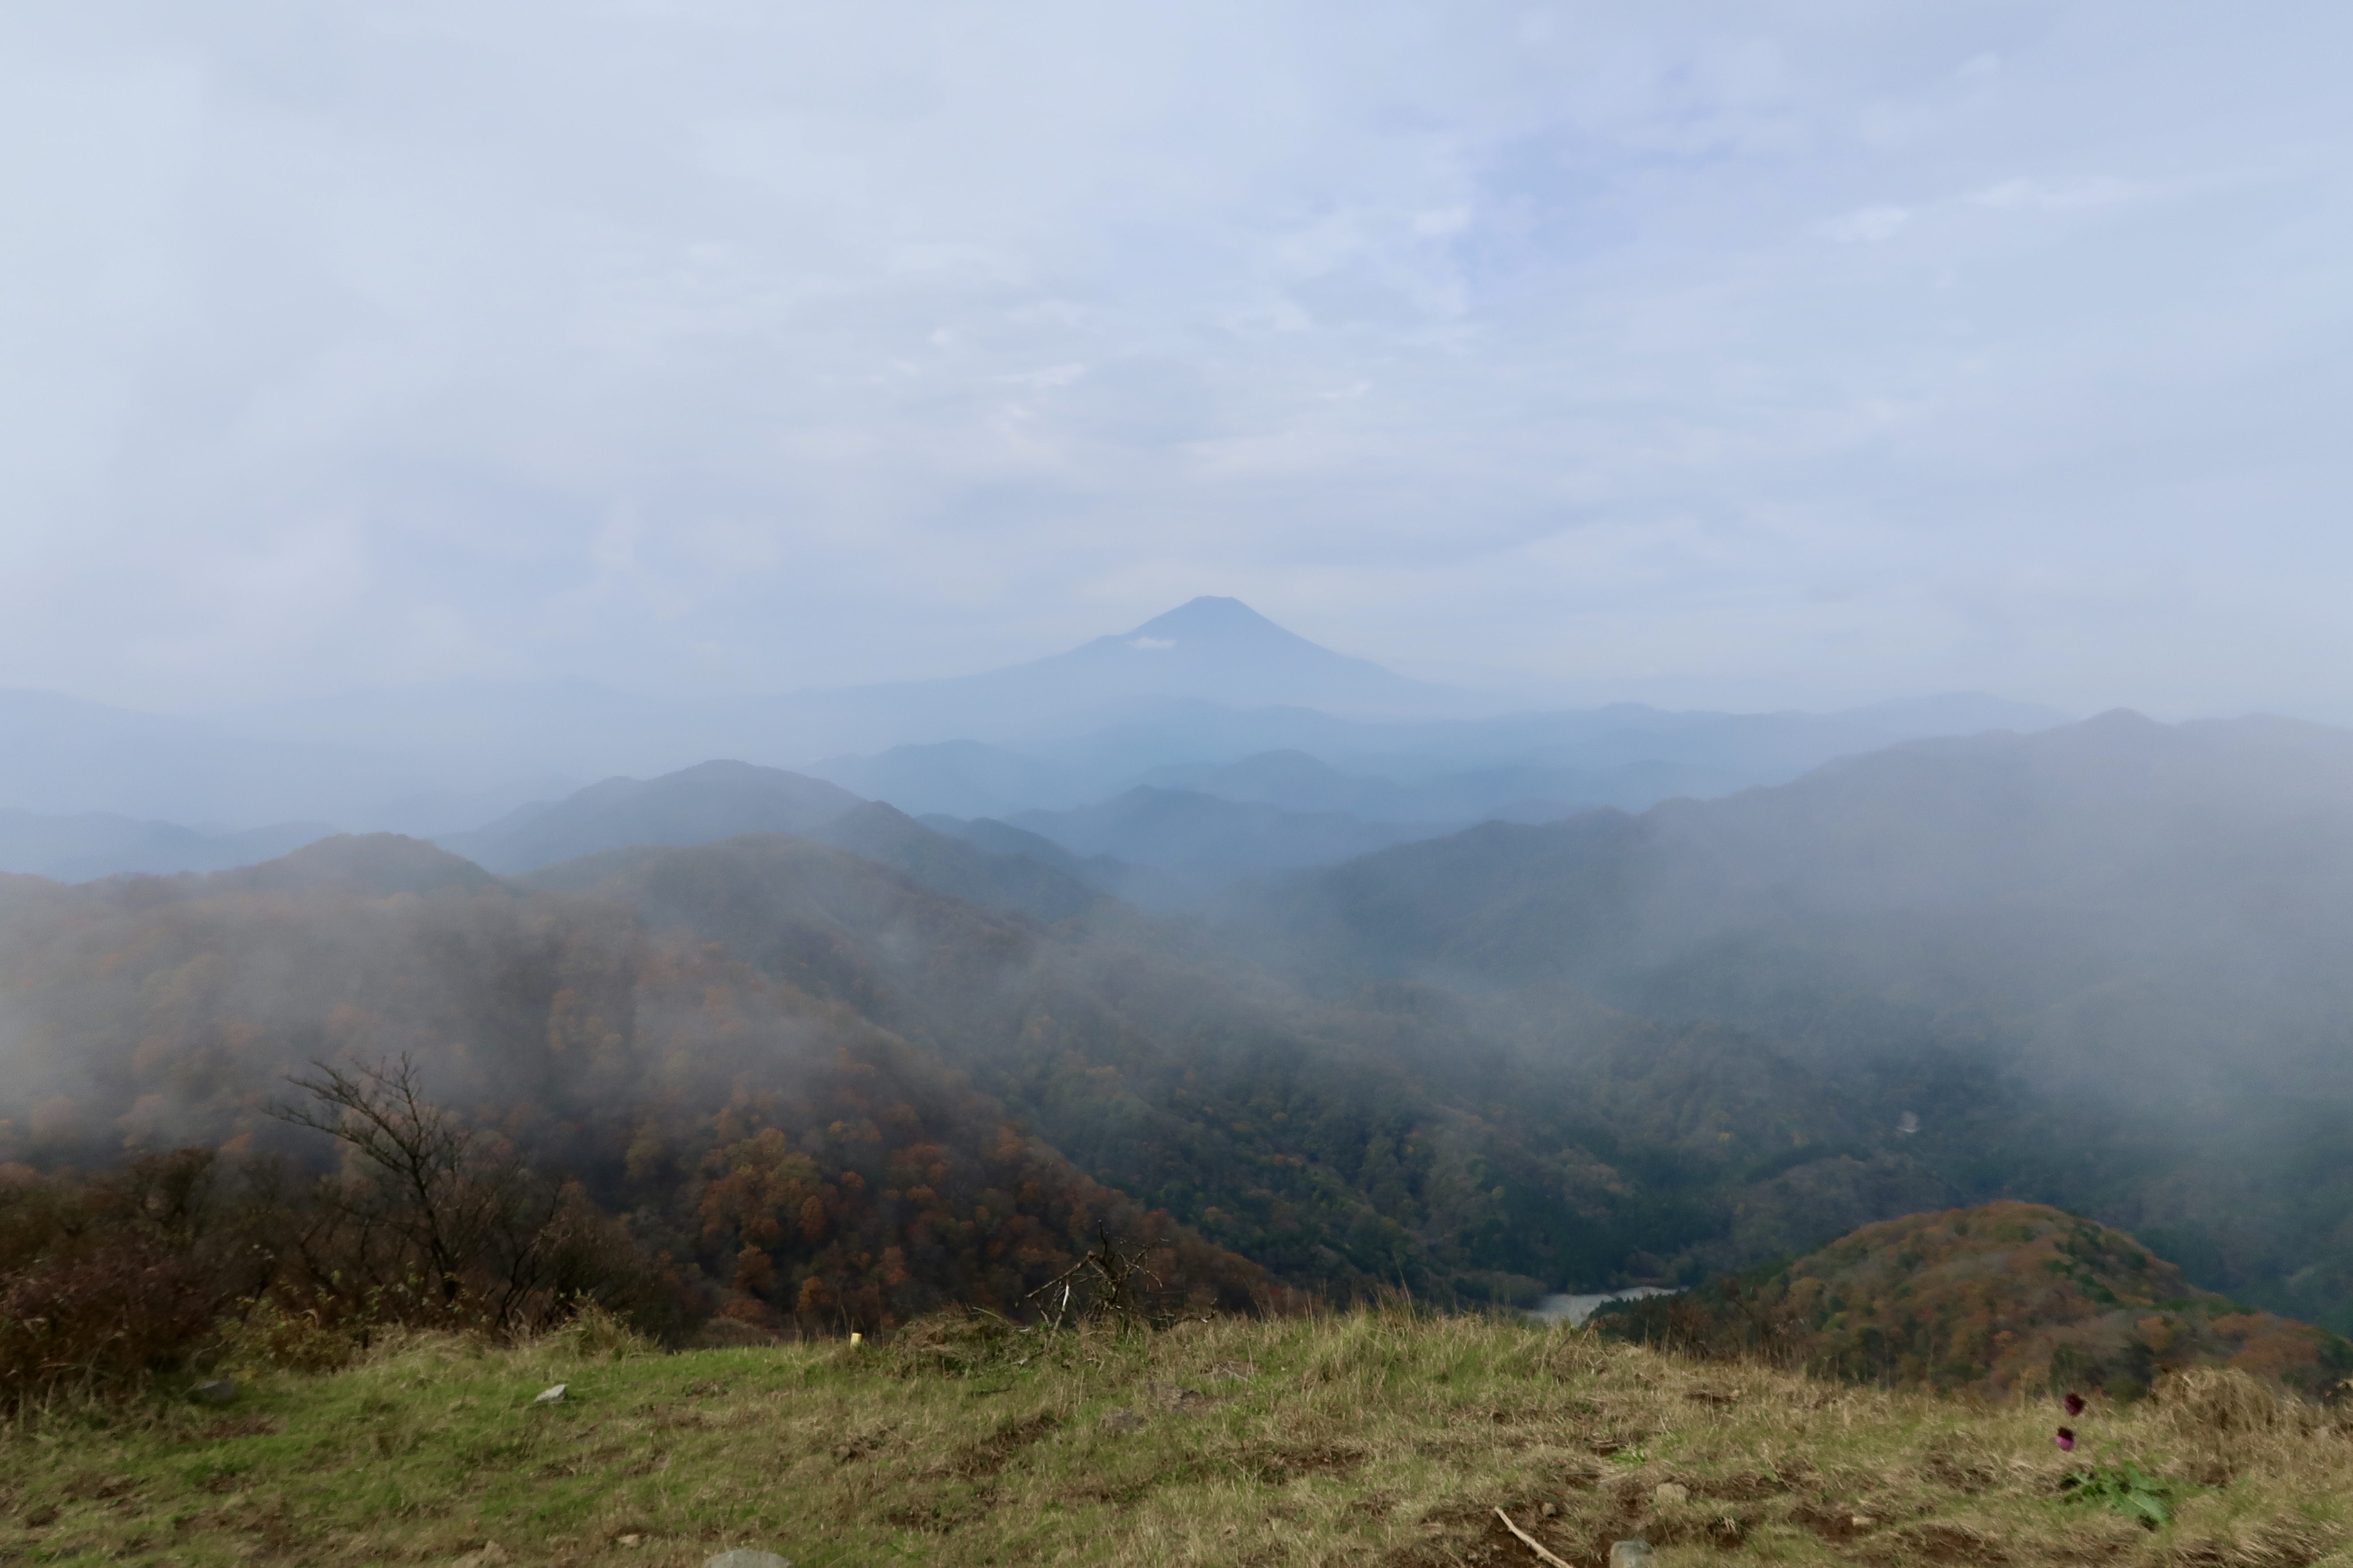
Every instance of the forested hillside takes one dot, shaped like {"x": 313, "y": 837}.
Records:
{"x": 2005, "y": 1301}
{"x": 2138, "y": 929}
{"x": 641, "y": 1019}
{"x": 1513, "y": 1062}
{"x": 792, "y": 1160}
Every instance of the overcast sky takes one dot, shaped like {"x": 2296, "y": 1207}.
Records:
{"x": 1739, "y": 354}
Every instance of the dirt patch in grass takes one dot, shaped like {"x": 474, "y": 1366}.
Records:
{"x": 1935, "y": 1542}
{"x": 1109, "y": 1493}
{"x": 941, "y": 1514}
{"x": 1280, "y": 1464}
{"x": 1835, "y": 1525}
{"x": 983, "y": 1460}
{"x": 1959, "y": 1469}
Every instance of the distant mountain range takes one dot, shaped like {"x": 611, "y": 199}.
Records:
{"x": 1212, "y": 651}
{"x": 694, "y": 806}
{"x": 1184, "y": 697}
{"x": 1204, "y": 842}
{"x": 77, "y": 847}
{"x": 717, "y": 801}
{"x": 1524, "y": 765}
{"x": 2099, "y": 966}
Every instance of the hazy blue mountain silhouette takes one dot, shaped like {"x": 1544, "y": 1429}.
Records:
{"x": 1221, "y": 650}
{"x": 1296, "y": 782}
{"x": 959, "y": 867}
{"x": 369, "y": 863}
{"x": 1526, "y": 766}
{"x": 700, "y": 805}
{"x": 714, "y": 802}
{"x": 1206, "y": 841}
{"x": 1212, "y": 650}
{"x": 955, "y": 778}
{"x": 1208, "y": 684}
{"x": 77, "y": 847}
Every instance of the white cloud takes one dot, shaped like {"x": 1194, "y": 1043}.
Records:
{"x": 1870, "y": 225}
{"x": 916, "y": 338}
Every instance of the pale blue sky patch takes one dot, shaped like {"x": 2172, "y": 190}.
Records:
{"x": 1695, "y": 352}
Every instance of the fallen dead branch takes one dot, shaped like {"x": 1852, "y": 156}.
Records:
{"x": 1531, "y": 1543}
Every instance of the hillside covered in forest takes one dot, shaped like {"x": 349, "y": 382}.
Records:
{"x": 2005, "y": 1301}
{"x": 678, "y": 1030}
{"x": 1515, "y": 1061}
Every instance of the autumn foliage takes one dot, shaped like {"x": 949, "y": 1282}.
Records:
{"x": 2004, "y": 1298}
{"x": 595, "y": 1108}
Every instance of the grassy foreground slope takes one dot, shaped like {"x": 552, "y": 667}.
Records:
{"x": 1376, "y": 1437}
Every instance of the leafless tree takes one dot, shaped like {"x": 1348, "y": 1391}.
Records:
{"x": 462, "y": 1210}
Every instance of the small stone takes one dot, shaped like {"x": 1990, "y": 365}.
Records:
{"x": 220, "y": 1391}
{"x": 632, "y": 1540}
{"x": 1634, "y": 1554}
{"x": 1862, "y": 1520}
{"x": 1672, "y": 1491}
{"x": 744, "y": 1557}
{"x": 1121, "y": 1421}
{"x": 552, "y": 1395}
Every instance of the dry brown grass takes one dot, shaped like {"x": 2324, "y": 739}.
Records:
{"x": 1372, "y": 1438}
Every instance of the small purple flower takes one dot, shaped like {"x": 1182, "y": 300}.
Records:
{"x": 2074, "y": 1404}
{"x": 2065, "y": 1439}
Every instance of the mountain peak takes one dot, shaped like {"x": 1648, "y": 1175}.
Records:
{"x": 1222, "y": 650}
{"x": 1209, "y": 617}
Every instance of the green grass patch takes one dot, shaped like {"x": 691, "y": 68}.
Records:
{"x": 1376, "y": 1437}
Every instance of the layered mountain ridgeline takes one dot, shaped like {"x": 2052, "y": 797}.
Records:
{"x": 1514, "y": 1060}
{"x": 790, "y": 1160}
{"x": 719, "y": 800}
{"x": 627, "y": 1016}
{"x": 2007, "y": 1299}
{"x": 74, "y": 849}
{"x": 1198, "y": 843}
{"x": 2135, "y": 930}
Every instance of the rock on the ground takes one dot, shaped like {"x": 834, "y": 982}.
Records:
{"x": 744, "y": 1557}
{"x": 1634, "y": 1554}
{"x": 552, "y": 1395}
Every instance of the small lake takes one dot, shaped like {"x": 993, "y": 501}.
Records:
{"x": 1577, "y": 1309}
